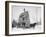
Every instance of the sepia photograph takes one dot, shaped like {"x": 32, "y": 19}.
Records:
{"x": 25, "y": 18}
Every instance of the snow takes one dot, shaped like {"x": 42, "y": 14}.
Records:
{"x": 37, "y": 29}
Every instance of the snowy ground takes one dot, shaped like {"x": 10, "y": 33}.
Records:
{"x": 37, "y": 29}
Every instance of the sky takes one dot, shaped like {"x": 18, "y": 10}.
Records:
{"x": 34, "y": 12}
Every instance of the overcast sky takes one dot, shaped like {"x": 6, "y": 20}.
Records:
{"x": 33, "y": 12}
